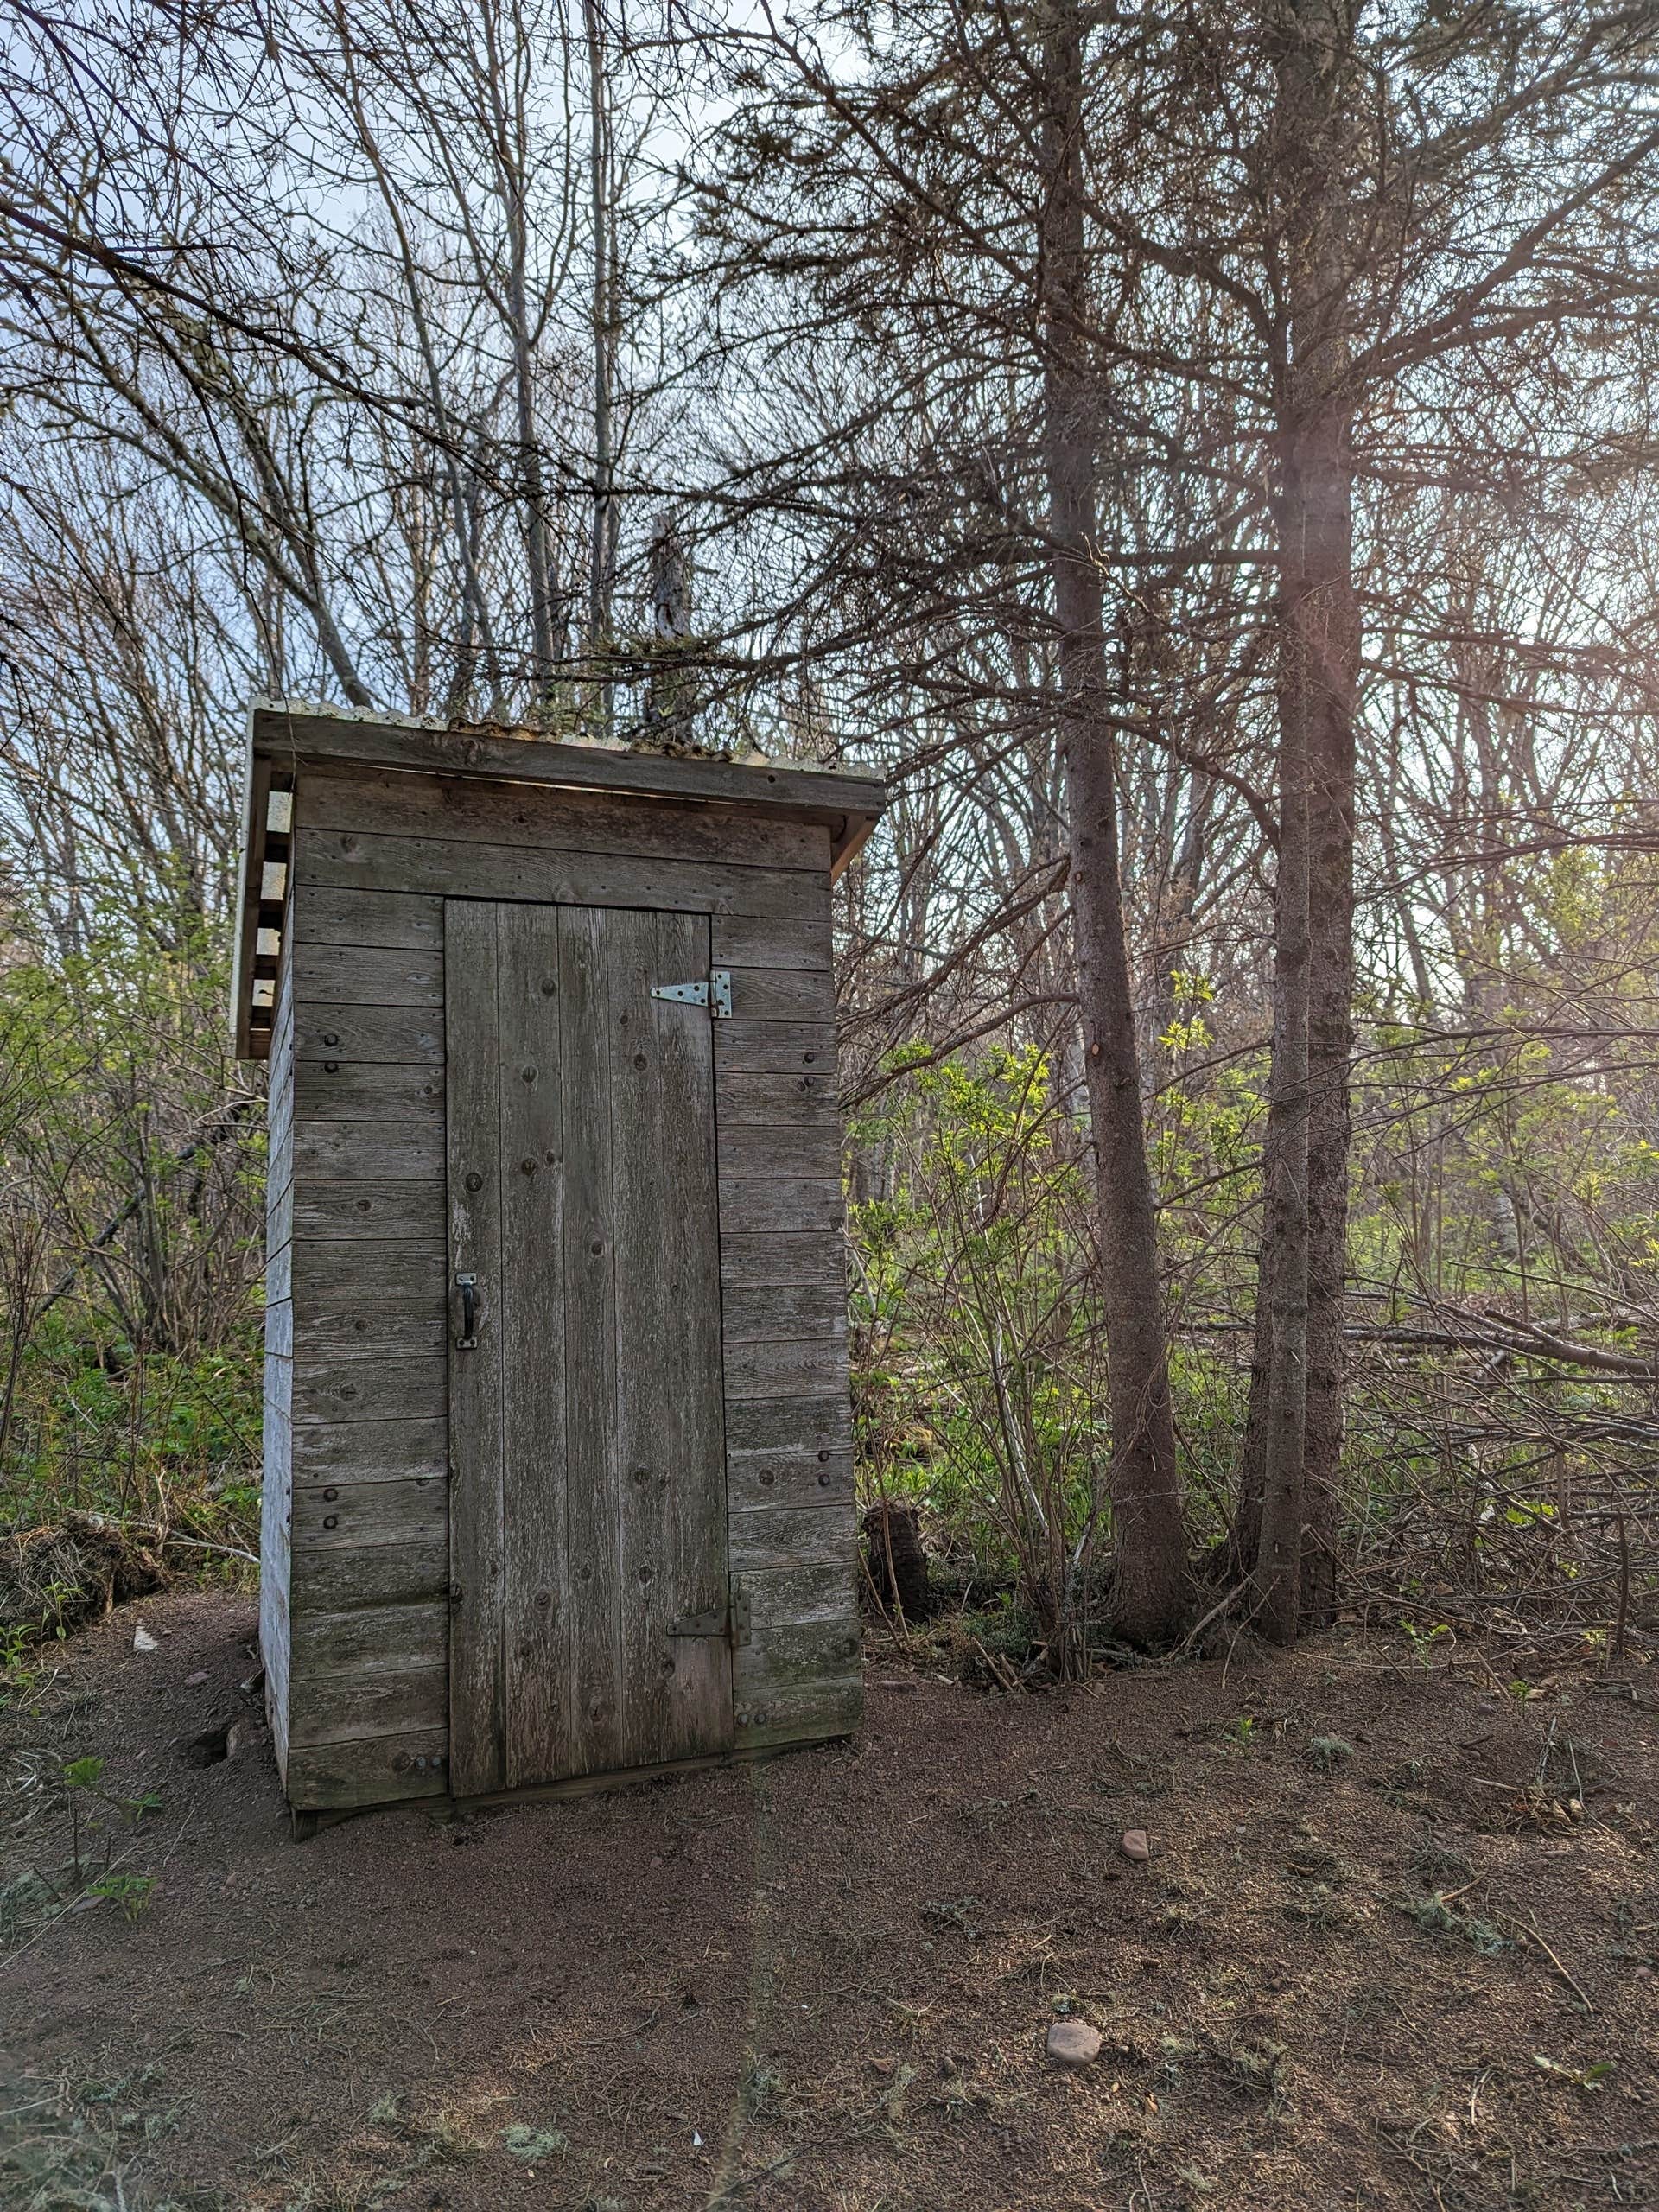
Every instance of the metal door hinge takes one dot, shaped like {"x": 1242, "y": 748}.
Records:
{"x": 715, "y": 993}
{"x": 730, "y": 1621}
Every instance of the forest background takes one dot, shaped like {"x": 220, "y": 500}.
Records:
{"x": 1203, "y": 455}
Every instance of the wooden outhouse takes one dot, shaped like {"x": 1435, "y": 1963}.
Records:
{"x": 558, "y": 1462}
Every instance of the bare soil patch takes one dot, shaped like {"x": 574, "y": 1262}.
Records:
{"x": 1395, "y": 1946}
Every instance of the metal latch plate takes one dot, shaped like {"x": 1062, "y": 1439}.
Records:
{"x": 731, "y": 1621}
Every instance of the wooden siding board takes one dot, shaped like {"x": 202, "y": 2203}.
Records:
{"x": 800, "y": 1152}
{"x": 400, "y": 1152}
{"x": 777, "y": 1311}
{"x": 334, "y": 1090}
{"x": 477, "y": 1658}
{"x": 334, "y": 1516}
{"x": 369, "y": 1771}
{"x": 443, "y": 867}
{"x": 325, "y": 1030}
{"x": 788, "y": 1205}
{"x": 780, "y": 1259}
{"x": 332, "y": 1213}
{"x": 463, "y": 813}
{"x": 763, "y": 1478}
{"x": 773, "y": 1099}
{"x": 360, "y": 975}
{"x": 333, "y": 1581}
{"x": 276, "y": 1455}
{"x": 343, "y": 1708}
{"x": 390, "y": 1638}
{"x": 400, "y": 920}
{"x": 787, "y": 1535}
{"x": 370, "y": 1451}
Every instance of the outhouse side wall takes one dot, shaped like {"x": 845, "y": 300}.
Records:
{"x": 276, "y": 1486}
{"x": 373, "y": 856}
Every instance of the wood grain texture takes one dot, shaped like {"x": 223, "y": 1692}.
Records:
{"x": 790, "y": 1424}
{"x": 799, "y": 1152}
{"x": 788, "y": 1206}
{"x": 466, "y": 812}
{"x": 283, "y": 736}
{"x": 777, "y": 1311}
{"x": 535, "y": 1595}
{"x": 392, "y": 1638}
{"x": 369, "y": 1575}
{"x": 370, "y": 1450}
{"x": 791, "y": 1477}
{"x": 383, "y": 1151}
{"x": 813, "y": 1366}
{"x": 329, "y": 1515}
{"x": 776, "y": 1099}
{"x": 369, "y": 1090}
{"x": 670, "y": 1449}
{"x": 403, "y": 920}
{"x": 791, "y": 997}
{"x": 746, "y": 1047}
{"x": 326, "y": 1030}
{"x": 744, "y": 940}
{"x": 360, "y": 975}
{"x": 277, "y": 1466}
{"x": 773, "y": 1261}
{"x": 346, "y": 1707}
{"x": 400, "y": 1210}
{"x": 791, "y": 1536}
{"x": 449, "y": 869}
{"x": 477, "y": 1658}
{"x": 372, "y": 1771}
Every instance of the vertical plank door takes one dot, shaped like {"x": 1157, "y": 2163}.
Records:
{"x": 588, "y": 1509}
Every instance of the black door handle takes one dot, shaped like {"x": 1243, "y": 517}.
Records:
{"x": 467, "y": 1285}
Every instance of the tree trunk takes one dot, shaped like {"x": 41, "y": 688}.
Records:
{"x": 1285, "y": 1532}
{"x": 1151, "y": 1591}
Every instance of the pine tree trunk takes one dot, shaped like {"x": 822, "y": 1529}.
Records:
{"x": 1151, "y": 1596}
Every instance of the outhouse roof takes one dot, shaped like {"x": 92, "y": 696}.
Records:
{"x": 286, "y": 735}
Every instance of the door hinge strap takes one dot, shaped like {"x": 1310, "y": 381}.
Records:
{"x": 731, "y": 1622}
{"x": 715, "y": 993}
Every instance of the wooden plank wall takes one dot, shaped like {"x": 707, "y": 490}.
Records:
{"x": 374, "y": 855}
{"x": 279, "y": 1367}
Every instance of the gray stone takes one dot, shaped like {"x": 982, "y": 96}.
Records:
{"x": 1073, "y": 2043}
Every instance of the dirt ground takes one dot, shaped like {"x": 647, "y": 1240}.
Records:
{"x": 1376, "y": 1959}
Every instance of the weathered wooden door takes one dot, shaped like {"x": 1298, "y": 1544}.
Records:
{"x": 590, "y": 1596}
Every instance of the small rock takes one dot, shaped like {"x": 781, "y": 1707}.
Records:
{"x": 194, "y": 1682}
{"x": 241, "y": 1737}
{"x": 1073, "y": 2043}
{"x": 1136, "y": 1844}
{"x": 143, "y": 1640}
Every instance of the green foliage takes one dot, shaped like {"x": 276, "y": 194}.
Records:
{"x": 130, "y": 1218}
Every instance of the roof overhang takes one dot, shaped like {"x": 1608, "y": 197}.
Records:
{"x": 285, "y": 736}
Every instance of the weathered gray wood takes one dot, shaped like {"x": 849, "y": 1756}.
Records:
{"x": 668, "y": 1450}
{"x": 403, "y": 1277}
{"x": 751, "y": 1152}
{"x": 384, "y": 1331}
{"x": 404, "y": 1152}
{"x": 744, "y": 1046}
{"x": 535, "y": 1545}
{"x": 773, "y": 1100}
{"x": 778, "y": 1311}
{"x": 348, "y": 1034}
{"x": 279, "y": 1328}
{"x": 791, "y": 1206}
{"x": 348, "y": 1515}
{"x": 761, "y": 1478}
{"x": 477, "y": 1658}
{"x": 571, "y": 821}
{"x": 373, "y": 1639}
{"x": 404, "y": 919}
{"x": 797, "y": 1685}
{"x": 597, "y": 1604}
{"x": 792, "y": 1536}
{"x": 452, "y": 870}
{"x": 374, "y": 1771}
{"x": 333, "y": 1580}
{"x": 351, "y": 1390}
{"x": 343, "y": 1708}
{"x": 795, "y": 1596}
{"x": 790, "y": 997}
{"x": 742, "y": 940}
{"x": 814, "y": 1366}
{"x": 360, "y": 975}
{"x": 328, "y": 1212}
{"x": 279, "y": 1215}
{"x": 370, "y": 1451}
{"x": 790, "y": 1424}
{"x": 286, "y": 736}
{"x": 358, "y": 1091}
{"x": 277, "y": 1469}
{"x": 761, "y": 1259}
